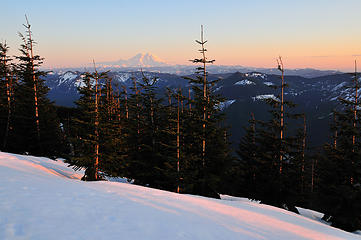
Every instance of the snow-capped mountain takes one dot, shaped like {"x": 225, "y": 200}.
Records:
{"x": 146, "y": 60}
{"x": 64, "y": 84}
{"x": 151, "y": 63}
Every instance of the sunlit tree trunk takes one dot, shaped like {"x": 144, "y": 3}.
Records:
{"x": 9, "y": 89}
{"x": 335, "y": 133}
{"x": 126, "y": 102}
{"x": 178, "y": 142}
{"x": 29, "y": 48}
{"x": 189, "y": 99}
{"x": 281, "y": 68}
{"x": 354, "y": 118}
{"x": 204, "y": 61}
{"x": 96, "y": 162}
{"x": 303, "y": 152}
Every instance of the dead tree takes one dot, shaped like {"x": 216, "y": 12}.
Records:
{"x": 28, "y": 44}
{"x": 281, "y": 69}
{"x": 178, "y": 138}
{"x": 126, "y": 102}
{"x": 96, "y": 123}
{"x": 354, "y": 117}
{"x": 303, "y": 151}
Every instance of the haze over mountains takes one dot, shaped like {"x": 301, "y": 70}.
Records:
{"x": 314, "y": 91}
{"x": 151, "y": 63}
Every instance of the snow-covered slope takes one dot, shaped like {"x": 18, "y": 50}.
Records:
{"x": 43, "y": 199}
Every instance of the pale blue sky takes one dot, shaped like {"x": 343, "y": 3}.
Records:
{"x": 319, "y": 34}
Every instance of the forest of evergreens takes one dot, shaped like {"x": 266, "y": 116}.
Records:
{"x": 179, "y": 142}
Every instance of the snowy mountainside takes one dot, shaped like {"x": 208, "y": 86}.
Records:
{"x": 63, "y": 85}
{"x": 316, "y": 97}
{"x": 244, "y": 93}
{"x": 44, "y": 199}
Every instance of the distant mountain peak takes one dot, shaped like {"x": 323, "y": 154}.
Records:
{"x": 139, "y": 60}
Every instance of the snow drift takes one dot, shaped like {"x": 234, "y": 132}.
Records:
{"x": 44, "y": 199}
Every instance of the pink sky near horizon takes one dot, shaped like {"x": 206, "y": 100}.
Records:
{"x": 322, "y": 34}
{"x": 339, "y": 62}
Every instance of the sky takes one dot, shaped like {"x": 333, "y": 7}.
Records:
{"x": 321, "y": 34}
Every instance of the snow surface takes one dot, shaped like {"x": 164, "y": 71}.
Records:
{"x": 68, "y": 76}
{"x": 339, "y": 86}
{"x": 312, "y": 214}
{"x": 218, "y": 88}
{"x": 245, "y": 82}
{"x": 262, "y": 75}
{"x": 265, "y": 96}
{"x": 268, "y": 83}
{"x": 123, "y": 77}
{"x": 44, "y": 199}
{"x": 225, "y": 104}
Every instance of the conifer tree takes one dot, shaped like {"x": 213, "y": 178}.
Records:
{"x": 339, "y": 191}
{"x": 271, "y": 160}
{"x": 208, "y": 155}
{"x": 149, "y": 141}
{"x": 36, "y": 128}
{"x": 7, "y": 86}
{"x": 247, "y": 167}
{"x": 111, "y": 136}
{"x": 83, "y": 128}
{"x": 93, "y": 127}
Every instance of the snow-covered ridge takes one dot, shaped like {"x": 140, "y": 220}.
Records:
{"x": 123, "y": 77}
{"x": 339, "y": 86}
{"x": 245, "y": 82}
{"x": 225, "y": 104}
{"x": 268, "y": 83}
{"x": 265, "y": 96}
{"x": 66, "y": 77}
{"x": 44, "y": 199}
{"x": 256, "y": 74}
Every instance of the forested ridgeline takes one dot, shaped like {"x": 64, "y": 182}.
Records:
{"x": 179, "y": 142}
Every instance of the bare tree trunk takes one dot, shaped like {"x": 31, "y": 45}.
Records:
{"x": 137, "y": 110}
{"x": 204, "y": 98}
{"x": 189, "y": 99}
{"x": 281, "y": 68}
{"x": 109, "y": 97}
{"x": 152, "y": 123}
{"x": 29, "y": 47}
{"x": 335, "y": 136}
{"x": 203, "y": 61}
{"x": 303, "y": 152}
{"x": 8, "y": 81}
{"x": 182, "y": 104}
{"x": 354, "y": 118}
{"x": 253, "y": 126}
{"x": 96, "y": 162}
{"x": 117, "y": 102}
{"x": 126, "y": 102}
{"x": 312, "y": 174}
{"x": 178, "y": 142}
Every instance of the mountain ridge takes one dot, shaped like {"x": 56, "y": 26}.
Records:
{"x": 244, "y": 92}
